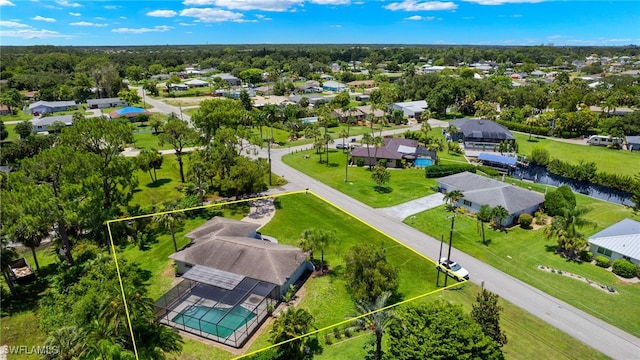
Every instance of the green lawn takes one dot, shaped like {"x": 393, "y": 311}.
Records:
{"x": 281, "y": 136}
{"x": 145, "y": 139}
{"x": 609, "y": 160}
{"x": 19, "y": 116}
{"x": 11, "y": 128}
{"x": 518, "y": 252}
{"x": 166, "y": 188}
{"x": 405, "y": 184}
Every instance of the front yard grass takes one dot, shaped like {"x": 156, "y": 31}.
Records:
{"x": 405, "y": 184}
{"x": 608, "y": 160}
{"x": 19, "y": 116}
{"x": 518, "y": 252}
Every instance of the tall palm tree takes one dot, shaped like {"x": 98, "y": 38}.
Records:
{"x": 313, "y": 239}
{"x": 452, "y": 197}
{"x": 170, "y": 219}
{"x": 484, "y": 215}
{"x": 566, "y": 229}
{"x": 30, "y": 234}
{"x": 377, "y": 318}
{"x": 499, "y": 214}
{"x": 367, "y": 139}
{"x": 290, "y": 324}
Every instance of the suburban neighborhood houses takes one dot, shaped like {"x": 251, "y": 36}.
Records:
{"x": 280, "y": 201}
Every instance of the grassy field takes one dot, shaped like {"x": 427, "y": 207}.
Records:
{"x": 145, "y": 139}
{"x": 518, "y": 252}
{"x": 166, "y": 188}
{"x": 608, "y": 160}
{"x": 405, "y": 184}
{"x": 11, "y": 128}
{"x": 19, "y": 116}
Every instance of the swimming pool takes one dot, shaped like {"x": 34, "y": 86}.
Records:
{"x": 221, "y": 322}
{"x": 423, "y": 162}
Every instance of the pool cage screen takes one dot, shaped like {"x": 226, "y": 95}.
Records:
{"x": 227, "y": 316}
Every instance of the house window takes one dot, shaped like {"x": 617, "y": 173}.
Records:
{"x": 603, "y": 251}
{"x": 467, "y": 203}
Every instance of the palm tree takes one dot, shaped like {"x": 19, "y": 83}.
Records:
{"x": 344, "y": 134}
{"x": 7, "y": 255}
{"x": 376, "y": 317}
{"x": 452, "y": 197}
{"x": 499, "y": 214}
{"x": 484, "y": 215}
{"x": 290, "y": 324}
{"x": 367, "y": 139}
{"x": 566, "y": 229}
{"x": 169, "y": 219}
{"x": 197, "y": 174}
{"x": 30, "y": 234}
{"x": 312, "y": 239}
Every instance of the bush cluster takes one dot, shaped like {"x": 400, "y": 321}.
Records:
{"x": 624, "y": 268}
{"x": 525, "y": 220}
{"x": 586, "y": 256}
{"x": 588, "y": 172}
{"x": 603, "y": 261}
{"x": 436, "y": 171}
{"x": 489, "y": 171}
{"x": 516, "y": 126}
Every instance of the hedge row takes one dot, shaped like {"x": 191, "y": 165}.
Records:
{"x": 516, "y": 126}
{"x": 588, "y": 172}
{"x": 436, "y": 171}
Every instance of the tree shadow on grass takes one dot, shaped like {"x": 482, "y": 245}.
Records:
{"x": 158, "y": 183}
{"x": 533, "y": 140}
{"x": 383, "y": 189}
{"x": 551, "y": 248}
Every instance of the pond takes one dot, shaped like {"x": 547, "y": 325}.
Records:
{"x": 539, "y": 174}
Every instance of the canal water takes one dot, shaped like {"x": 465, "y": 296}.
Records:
{"x": 539, "y": 174}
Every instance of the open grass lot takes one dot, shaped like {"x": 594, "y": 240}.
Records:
{"x": 405, "y": 184}
{"x": 145, "y": 139}
{"x": 613, "y": 161}
{"x": 11, "y": 128}
{"x": 153, "y": 193}
{"x": 518, "y": 252}
{"x": 19, "y": 116}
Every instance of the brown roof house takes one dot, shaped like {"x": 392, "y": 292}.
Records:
{"x": 236, "y": 247}
{"x": 393, "y": 150}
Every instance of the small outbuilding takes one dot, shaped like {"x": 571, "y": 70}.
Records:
{"x": 106, "y": 103}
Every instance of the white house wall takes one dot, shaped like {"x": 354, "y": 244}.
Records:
{"x": 614, "y": 255}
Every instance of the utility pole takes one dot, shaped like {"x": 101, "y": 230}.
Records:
{"x": 453, "y": 218}
{"x": 439, "y": 257}
{"x": 346, "y": 165}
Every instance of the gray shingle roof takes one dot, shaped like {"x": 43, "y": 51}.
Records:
{"x": 482, "y": 129}
{"x": 622, "y": 237}
{"x": 485, "y": 191}
{"x": 103, "y": 101}
{"x": 228, "y": 245}
{"x": 48, "y": 120}
{"x": 52, "y": 104}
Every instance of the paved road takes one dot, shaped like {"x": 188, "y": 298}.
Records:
{"x": 605, "y": 338}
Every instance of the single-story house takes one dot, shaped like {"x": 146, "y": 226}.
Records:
{"x": 394, "y": 150}
{"x": 105, "y": 103}
{"x": 129, "y": 112}
{"x": 313, "y": 99}
{"x": 343, "y": 116}
{"x": 42, "y": 107}
{"x": 332, "y": 85}
{"x": 326, "y": 77}
{"x": 363, "y": 97}
{"x": 619, "y": 241}
{"x": 412, "y": 109}
{"x": 477, "y": 133}
{"x": 237, "y": 247}
{"x": 177, "y": 87}
{"x": 4, "y": 110}
{"x": 230, "y": 79}
{"x": 42, "y": 124}
{"x": 196, "y": 83}
{"x": 363, "y": 84}
{"x": 368, "y": 112}
{"x": 633, "y": 143}
{"x": 160, "y": 77}
{"x": 479, "y": 190}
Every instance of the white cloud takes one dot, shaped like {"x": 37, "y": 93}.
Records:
{"x": 66, "y": 3}
{"x": 330, "y": 2}
{"x": 159, "y": 28}
{"x": 123, "y": 17}
{"x": 74, "y": 14}
{"x": 32, "y": 34}
{"x": 186, "y": 24}
{"x": 265, "y": 5}
{"x": 86, "y": 23}
{"x": 13, "y": 24}
{"x": 162, "y": 13}
{"x": 211, "y": 15}
{"x": 6, "y": 3}
{"x": 517, "y": 15}
{"x": 99, "y": 18}
{"x": 554, "y": 37}
{"x": 336, "y": 26}
{"x": 262, "y": 17}
{"x": 418, "y": 17}
{"x": 500, "y": 2}
{"x": 41, "y": 18}
{"x": 112, "y": 7}
{"x": 414, "y": 5}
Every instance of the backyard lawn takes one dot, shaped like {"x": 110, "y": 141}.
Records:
{"x": 613, "y": 161}
{"x": 405, "y": 184}
{"x": 518, "y": 252}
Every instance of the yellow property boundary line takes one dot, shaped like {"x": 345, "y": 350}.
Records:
{"x": 124, "y": 300}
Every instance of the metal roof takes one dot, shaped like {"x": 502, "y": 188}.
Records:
{"x": 214, "y": 277}
{"x": 507, "y": 160}
{"x": 622, "y": 237}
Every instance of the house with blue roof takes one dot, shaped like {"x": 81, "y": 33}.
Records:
{"x": 619, "y": 241}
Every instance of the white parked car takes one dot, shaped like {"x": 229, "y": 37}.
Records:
{"x": 452, "y": 269}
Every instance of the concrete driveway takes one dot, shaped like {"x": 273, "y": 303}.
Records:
{"x": 404, "y": 210}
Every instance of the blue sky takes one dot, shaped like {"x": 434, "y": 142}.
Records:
{"x": 162, "y": 22}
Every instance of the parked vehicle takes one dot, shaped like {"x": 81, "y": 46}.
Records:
{"x": 21, "y": 271}
{"x": 452, "y": 269}
{"x": 600, "y": 140}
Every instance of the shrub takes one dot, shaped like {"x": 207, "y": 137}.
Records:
{"x": 638, "y": 271}
{"x": 540, "y": 156}
{"x": 603, "y": 261}
{"x": 448, "y": 169}
{"x": 556, "y": 201}
{"x": 624, "y": 268}
{"x": 525, "y": 220}
{"x": 489, "y": 171}
{"x": 586, "y": 256}
{"x": 360, "y": 162}
{"x": 536, "y": 130}
{"x": 336, "y": 333}
{"x": 328, "y": 339}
